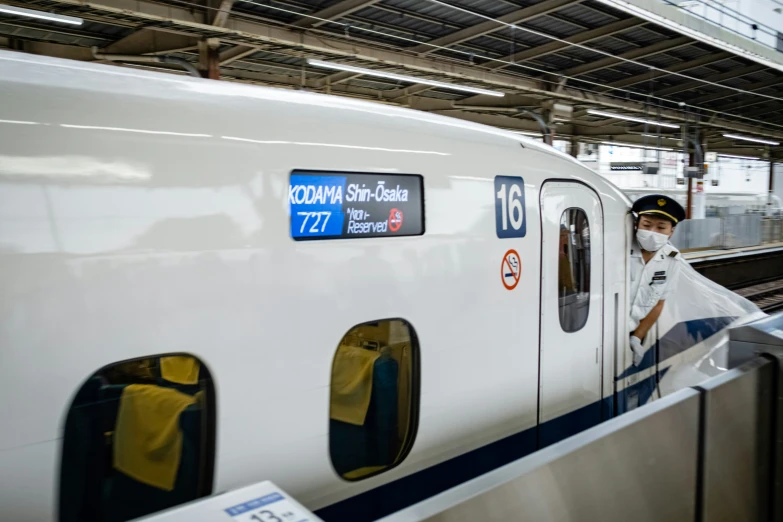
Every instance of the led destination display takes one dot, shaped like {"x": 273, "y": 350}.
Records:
{"x": 330, "y": 205}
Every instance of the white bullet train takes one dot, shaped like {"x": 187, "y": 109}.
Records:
{"x": 205, "y": 284}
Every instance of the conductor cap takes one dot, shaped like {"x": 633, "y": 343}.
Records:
{"x": 660, "y": 206}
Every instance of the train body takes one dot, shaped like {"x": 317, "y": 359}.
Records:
{"x": 149, "y": 217}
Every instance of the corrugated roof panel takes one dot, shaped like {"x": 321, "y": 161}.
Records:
{"x": 688, "y": 52}
{"x": 720, "y": 67}
{"x": 581, "y": 13}
{"x": 630, "y": 69}
{"x": 450, "y": 14}
{"x": 641, "y": 36}
{"x": 554, "y": 26}
{"x": 114, "y": 31}
{"x": 277, "y": 58}
{"x": 419, "y": 30}
{"x": 735, "y": 63}
{"x": 700, "y": 72}
{"x": 612, "y": 45}
{"x": 661, "y": 60}
{"x": 582, "y": 55}
{"x": 269, "y": 11}
{"x": 605, "y": 76}
{"x": 526, "y": 38}
{"x": 764, "y": 75}
{"x": 498, "y": 46}
{"x": 433, "y": 10}
{"x": 478, "y": 54}
{"x": 740, "y": 83}
{"x": 486, "y": 7}
{"x": 772, "y": 91}
{"x": 555, "y": 62}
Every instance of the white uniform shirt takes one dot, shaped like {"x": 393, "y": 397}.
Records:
{"x": 653, "y": 281}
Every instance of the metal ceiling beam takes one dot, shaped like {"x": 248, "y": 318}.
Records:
{"x": 400, "y": 95}
{"x": 70, "y": 52}
{"x": 78, "y": 35}
{"x": 728, "y": 94}
{"x": 728, "y": 75}
{"x": 680, "y": 67}
{"x": 633, "y": 54}
{"x": 332, "y": 12}
{"x": 490, "y": 26}
{"x": 499, "y": 120}
{"x": 222, "y": 13}
{"x": 765, "y": 111}
{"x": 249, "y": 32}
{"x": 334, "y": 79}
{"x": 579, "y": 38}
{"x": 294, "y": 81}
{"x": 149, "y": 41}
{"x": 235, "y": 53}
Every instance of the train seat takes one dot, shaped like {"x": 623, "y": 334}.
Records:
{"x": 82, "y": 456}
{"x": 358, "y": 450}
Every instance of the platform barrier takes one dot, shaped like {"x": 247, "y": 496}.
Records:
{"x": 708, "y": 453}
{"x": 771, "y": 230}
{"x": 732, "y": 231}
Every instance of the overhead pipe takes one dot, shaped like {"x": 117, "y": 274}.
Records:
{"x": 189, "y": 67}
{"x": 545, "y": 130}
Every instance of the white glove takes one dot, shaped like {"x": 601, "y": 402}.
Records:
{"x": 637, "y": 349}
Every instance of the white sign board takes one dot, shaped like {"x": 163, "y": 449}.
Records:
{"x": 710, "y": 157}
{"x": 262, "y": 502}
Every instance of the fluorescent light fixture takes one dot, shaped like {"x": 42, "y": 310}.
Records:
{"x": 748, "y": 138}
{"x": 739, "y": 157}
{"x": 634, "y": 146}
{"x": 631, "y": 118}
{"x": 41, "y": 15}
{"x": 401, "y": 77}
{"x": 659, "y": 136}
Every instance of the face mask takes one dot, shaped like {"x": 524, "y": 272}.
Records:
{"x": 651, "y": 241}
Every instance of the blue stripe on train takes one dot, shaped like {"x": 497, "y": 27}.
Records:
{"x": 391, "y": 497}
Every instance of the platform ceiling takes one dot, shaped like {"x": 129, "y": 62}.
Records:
{"x": 576, "y": 52}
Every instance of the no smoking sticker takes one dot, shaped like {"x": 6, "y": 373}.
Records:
{"x": 395, "y": 219}
{"x": 511, "y": 269}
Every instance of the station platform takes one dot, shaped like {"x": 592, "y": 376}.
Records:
{"x": 707, "y": 452}
{"x": 717, "y": 254}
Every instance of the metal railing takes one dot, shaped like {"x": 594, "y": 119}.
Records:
{"x": 705, "y": 453}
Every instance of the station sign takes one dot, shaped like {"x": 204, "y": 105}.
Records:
{"x": 347, "y": 205}
{"x": 625, "y": 166}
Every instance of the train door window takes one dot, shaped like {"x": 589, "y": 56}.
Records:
{"x": 139, "y": 437}
{"x": 374, "y": 397}
{"x": 573, "y": 285}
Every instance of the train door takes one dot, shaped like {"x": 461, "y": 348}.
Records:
{"x": 571, "y": 311}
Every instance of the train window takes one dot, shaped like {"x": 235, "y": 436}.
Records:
{"x": 139, "y": 437}
{"x": 573, "y": 281}
{"x": 373, "y": 410}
